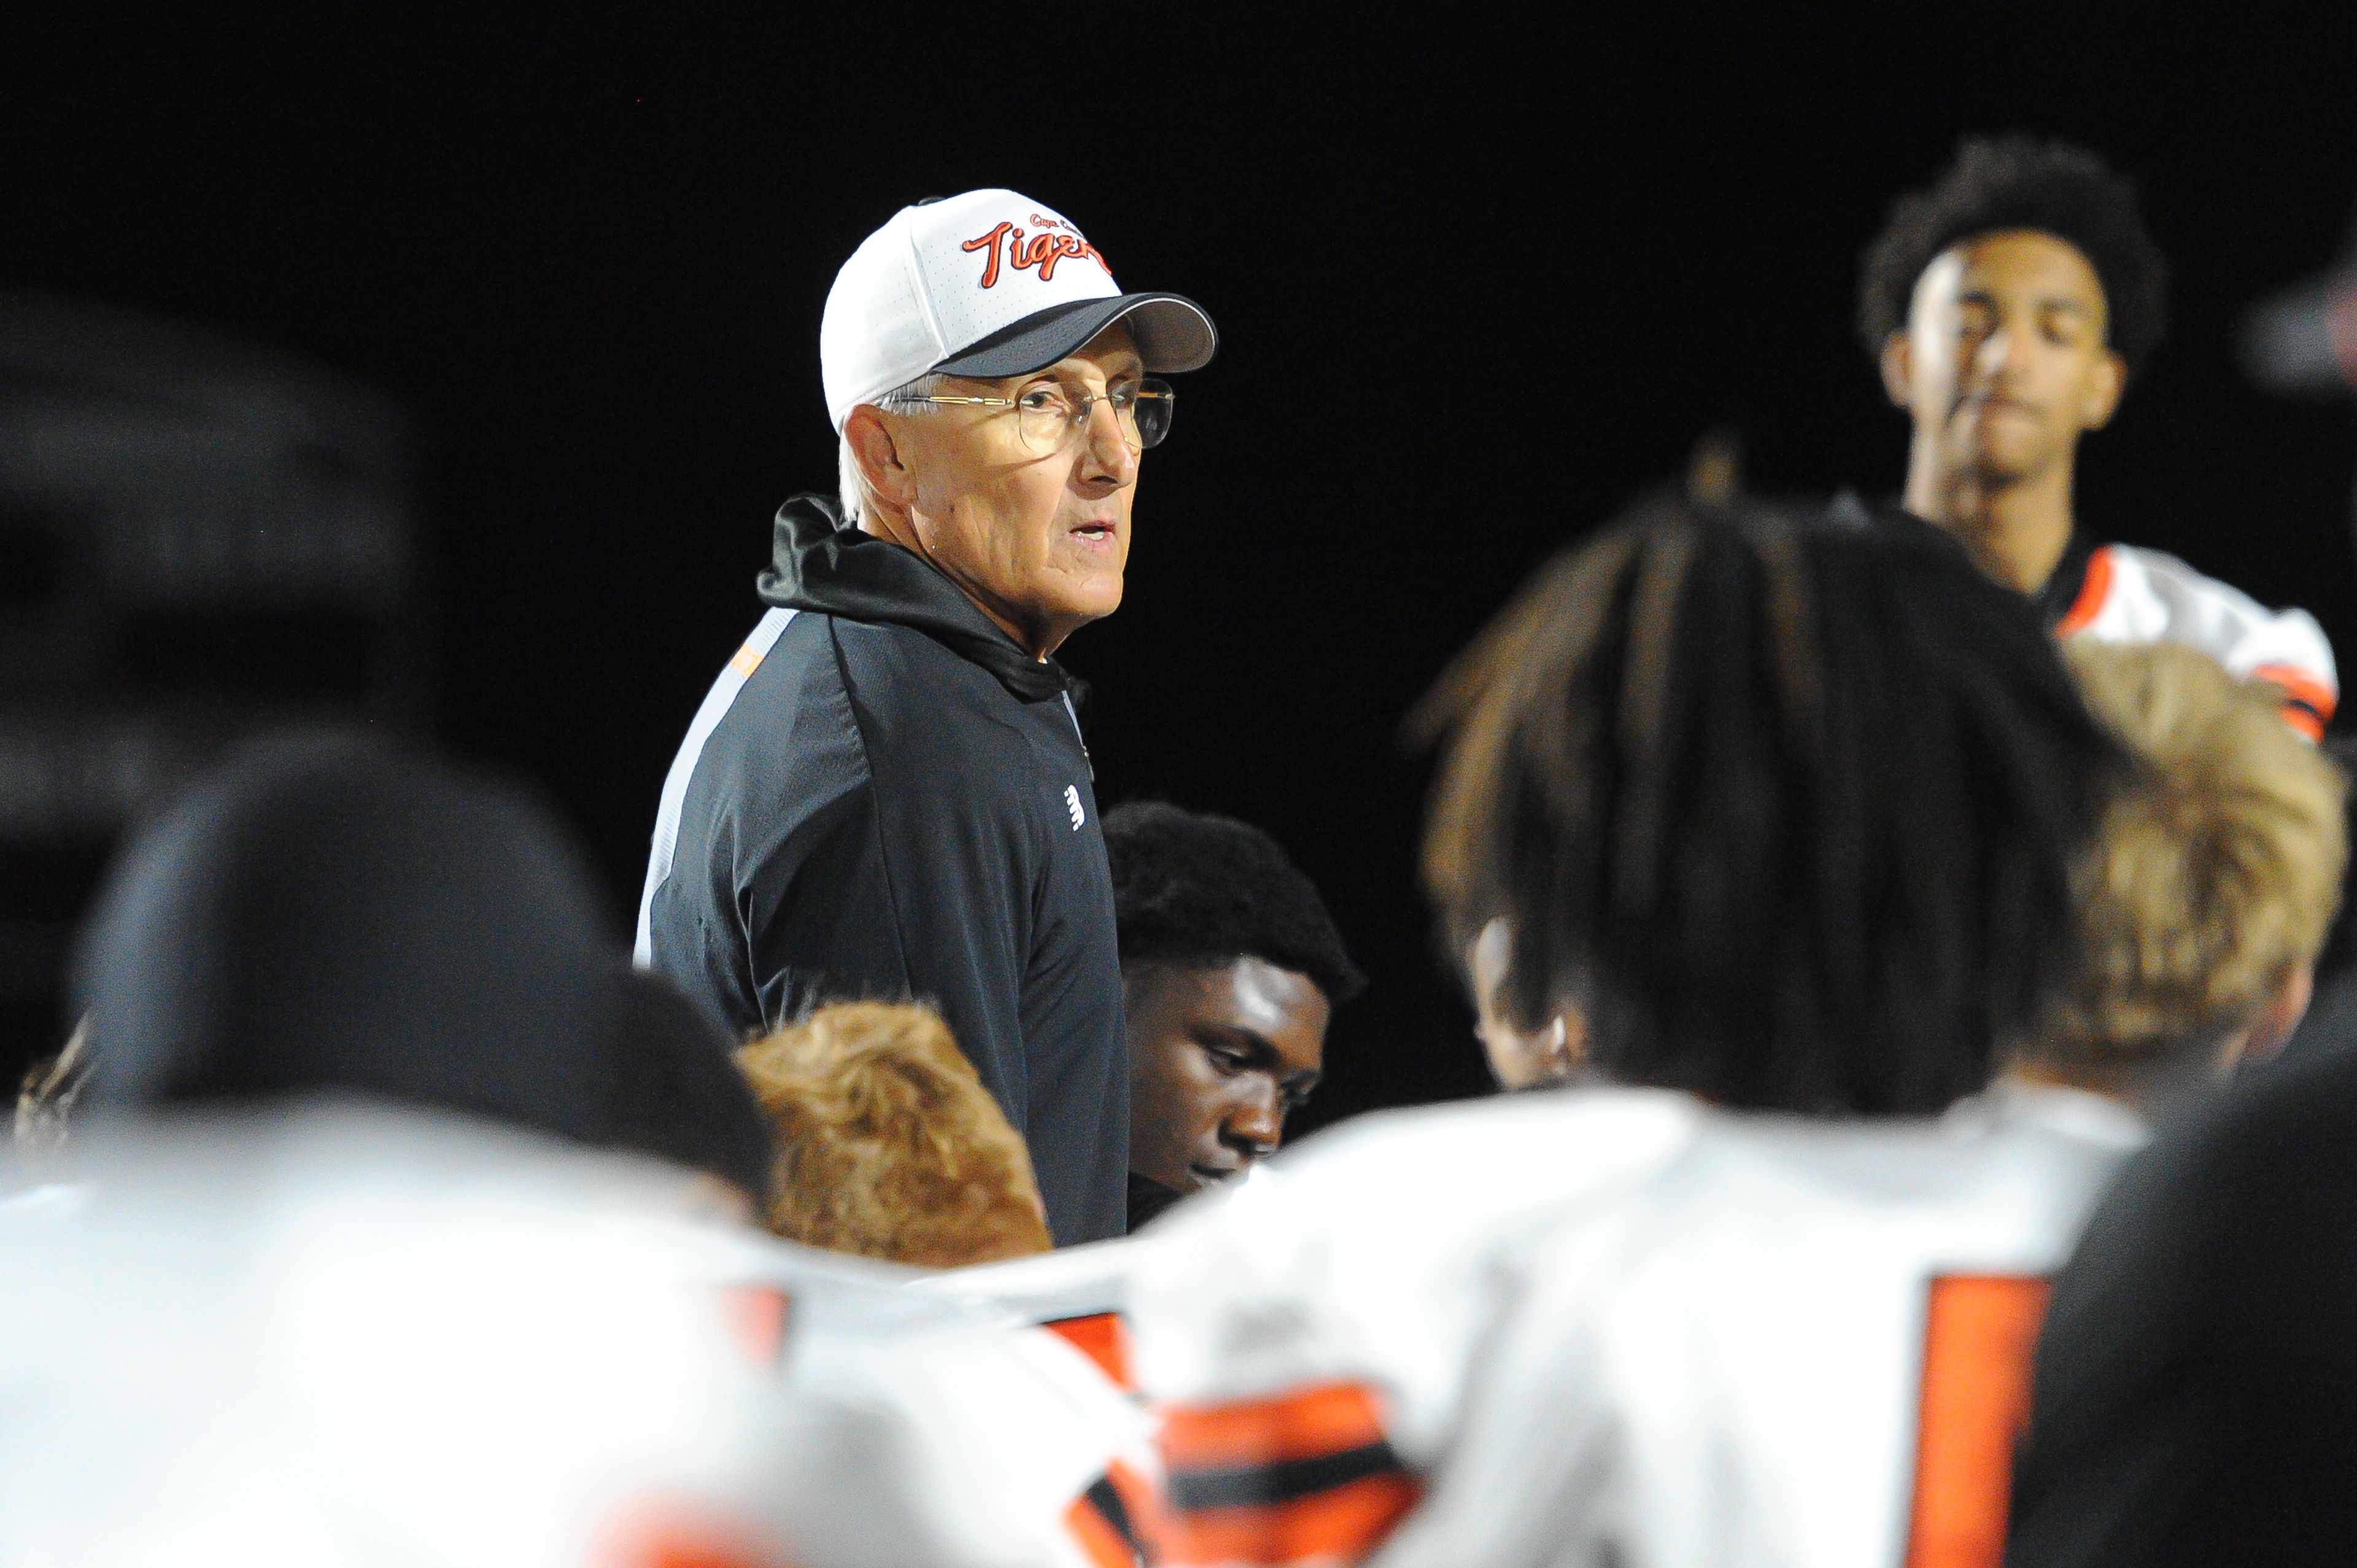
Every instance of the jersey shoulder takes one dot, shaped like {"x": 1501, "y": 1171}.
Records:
{"x": 1387, "y": 1243}
{"x": 2136, "y": 594}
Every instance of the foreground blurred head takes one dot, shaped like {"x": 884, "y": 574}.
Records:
{"x": 675, "y": 1093}
{"x": 887, "y": 1145}
{"x": 2207, "y": 895}
{"x": 1785, "y": 812}
{"x": 340, "y": 916}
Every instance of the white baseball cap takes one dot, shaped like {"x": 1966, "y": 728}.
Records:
{"x": 985, "y": 284}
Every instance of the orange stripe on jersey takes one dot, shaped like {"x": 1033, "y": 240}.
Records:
{"x": 757, "y": 1313}
{"x": 2309, "y": 702}
{"x": 1103, "y": 1339}
{"x": 2094, "y": 589}
{"x": 666, "y": 1539}
{"x": 1338, "y": 1526}
{"x": 1308, "y": 1424}
{"x": 1979, "y": 1332}
{"x": 746, "y": 660}
{"x": 1107, "y": 1521}
{"x": 1305, "y": 1476}
{"x": 1099, "y": 1542}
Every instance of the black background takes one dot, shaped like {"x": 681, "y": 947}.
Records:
{"x": 1477, "y": 283}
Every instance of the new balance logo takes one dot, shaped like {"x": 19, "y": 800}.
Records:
{"x": 1072, "y": 804}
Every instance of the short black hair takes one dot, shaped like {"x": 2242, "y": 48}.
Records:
{"x": 1201, "y": 891}
{"x": 2018, "y": 182}
{"x": 1788, "y": 809}
{"x": 673, "y": 1090}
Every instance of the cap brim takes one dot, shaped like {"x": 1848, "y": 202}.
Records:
{"x": 1173, "y": 334}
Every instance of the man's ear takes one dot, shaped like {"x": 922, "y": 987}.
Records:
{"x": 2277, "y": 1021}
{"x": 878, "y": 457}
{"x": 2103, "y": 389}
{"x": 1899, "y": 370}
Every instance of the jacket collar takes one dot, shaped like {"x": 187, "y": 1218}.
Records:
{"x": 818, "y": 565}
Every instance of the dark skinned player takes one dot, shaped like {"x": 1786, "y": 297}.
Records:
{"x": 1231, "y": 969}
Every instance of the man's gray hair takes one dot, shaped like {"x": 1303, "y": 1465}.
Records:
{"x": 851, "y": 485}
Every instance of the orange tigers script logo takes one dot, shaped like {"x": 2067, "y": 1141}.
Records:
{"x": 1042, "y": 251}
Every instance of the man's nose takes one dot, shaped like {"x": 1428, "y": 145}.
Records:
{"x": 1994, "y": 353}
{"x": 1256, "y": 1124}
{"x": 1106, "y": 458}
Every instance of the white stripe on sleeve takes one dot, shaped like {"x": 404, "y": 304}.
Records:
{"x": 716, "y": 704}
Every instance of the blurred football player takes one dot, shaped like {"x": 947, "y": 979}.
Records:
{"x": 345, "y": 1280}
{"x": 355, "y": 1271}
{"x": 2207, "y": 897}
{"x": 1230, "y": 970}
{"x": 1788, "y": 812}
{"x": 990, "y": 1426}
{"x": 2010, "y": 306}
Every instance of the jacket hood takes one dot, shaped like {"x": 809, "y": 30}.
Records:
{"x": 818, "y": 565}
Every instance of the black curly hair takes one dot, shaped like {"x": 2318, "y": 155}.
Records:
{"x": 1202, "y": 891}
{"x": 2018, "y": 182}
{"x": 1788, "y": 807}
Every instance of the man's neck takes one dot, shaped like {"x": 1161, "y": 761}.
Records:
{"x": 899, "y": 531}
{"x": 2157, "y": 1091}
{"x": 2015, "y": 530}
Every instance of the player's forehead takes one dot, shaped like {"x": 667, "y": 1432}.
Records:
{"x": 2016, "y": 267}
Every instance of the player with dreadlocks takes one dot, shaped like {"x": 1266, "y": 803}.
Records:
{"x": 2010, "y": 306}
{"x": 1787, "y": 812}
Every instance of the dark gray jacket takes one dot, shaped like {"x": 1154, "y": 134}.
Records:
{"x": 885, "y": 797}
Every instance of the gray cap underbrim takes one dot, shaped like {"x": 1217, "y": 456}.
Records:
{"x": 1173, "y": 334}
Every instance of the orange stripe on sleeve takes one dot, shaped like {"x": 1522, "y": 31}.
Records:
{"x": 759, "y": 1314}
{"x": 1306, "y": 1424}
{"x": 1340, "y": 1525}
{"x": 1303, "y": 1477}
{"x": 1107, "y": 1522}
{"x": 1099, "y": 1542}
{"x": 1103, "y": 1339}
{"x": 2094, "y": 589}
{"x": 745, "y": 661}
{"x": 2309, "y": 702}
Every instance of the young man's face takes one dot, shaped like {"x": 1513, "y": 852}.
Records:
{"x": 2003, "y": 363}
{"x": 1518, "y": 1060}
{"x": 1217, "y": 1057}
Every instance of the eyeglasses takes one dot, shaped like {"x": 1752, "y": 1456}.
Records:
{"x": 1050, "y": 415}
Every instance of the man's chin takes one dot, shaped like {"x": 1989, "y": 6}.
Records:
{"x": 2001, "y": 464}
{"x": 1076, "y": 605}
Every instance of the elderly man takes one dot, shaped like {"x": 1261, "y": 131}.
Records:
{"x": 886, "y": 794}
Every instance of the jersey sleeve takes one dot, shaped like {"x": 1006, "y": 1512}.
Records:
{"x": 2144, "y": 596}
{"x": 1312, "y": 1341}
{"x": 957, "y": 1444}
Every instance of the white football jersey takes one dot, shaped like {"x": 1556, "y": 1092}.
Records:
{"x": 2132, "y": 594}
{"x": 946, "y": 1428}
{"x": 351, "y": 1338}
{"x": 344, "y": 1337}
{"x": 1081, "y": 1294}
{"x": 1612, "y": 1326}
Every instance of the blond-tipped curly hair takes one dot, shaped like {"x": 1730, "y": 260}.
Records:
{"x": 888, "y": 1144}
{"x": 2214, "y": 877}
